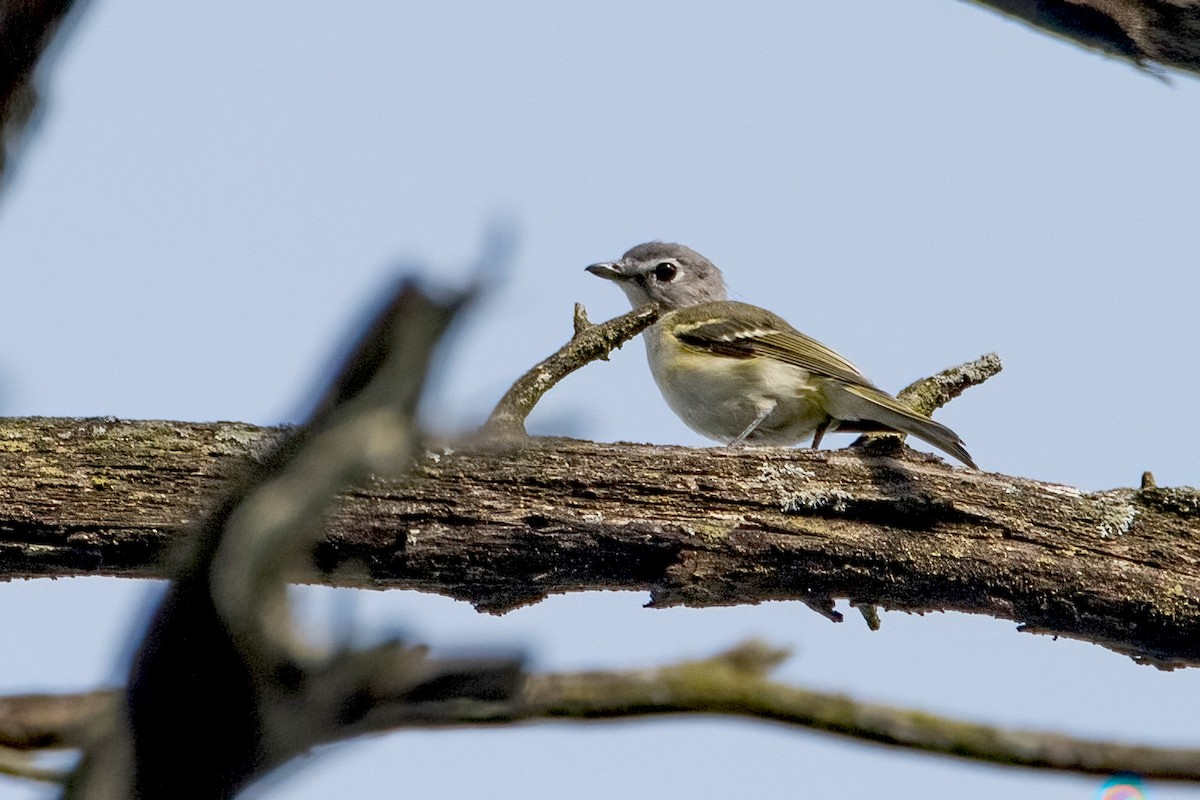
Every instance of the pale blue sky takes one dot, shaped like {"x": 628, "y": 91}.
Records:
{"x": 216, "y": 193}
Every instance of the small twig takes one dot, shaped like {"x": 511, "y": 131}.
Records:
{"x": 929, "y": 394}
{"x": 590, "y": 343}
{"x": 582, "y": 323}
{"x": 736, "y": 683}
{"x": 870, "y": 615}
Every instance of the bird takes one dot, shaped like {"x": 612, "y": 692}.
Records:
{"x": 737, "y": 373}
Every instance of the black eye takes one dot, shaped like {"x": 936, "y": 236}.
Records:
{"x": 664, "y": 272}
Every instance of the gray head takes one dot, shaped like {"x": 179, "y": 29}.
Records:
{"x": 662, "y": 272}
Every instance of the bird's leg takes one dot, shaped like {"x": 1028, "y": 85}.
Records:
{"x": 819, "y": 433}
{"x": 766, "y": 412}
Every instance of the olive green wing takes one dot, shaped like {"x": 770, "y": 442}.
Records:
{"x": 737, "y": 330}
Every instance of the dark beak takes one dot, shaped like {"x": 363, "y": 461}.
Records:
{"x": 608, "y": 271}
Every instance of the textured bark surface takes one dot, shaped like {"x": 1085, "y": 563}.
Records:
{"x": 108, "y": 497}
{"x": 507, "y": 524}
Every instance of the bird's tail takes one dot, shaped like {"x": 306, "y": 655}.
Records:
{"x": 868, "y": 404}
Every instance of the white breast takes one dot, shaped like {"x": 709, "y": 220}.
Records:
{"x": 719, "y": 397}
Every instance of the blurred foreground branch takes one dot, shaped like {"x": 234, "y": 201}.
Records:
{"x": 734, "y": 683}
{"x": 222, "y": 661}
{"x": 27, "y": 28}
{"x": 1144, "y": 32}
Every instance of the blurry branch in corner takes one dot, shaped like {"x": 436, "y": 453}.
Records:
{"x": 27, "y": 30}
{"x": 1151, "y": 34}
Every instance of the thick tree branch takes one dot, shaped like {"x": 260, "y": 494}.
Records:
{"x": 734, "y": 683}
{"x": 508, "y": 523}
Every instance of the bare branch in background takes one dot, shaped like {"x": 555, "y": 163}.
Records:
{"x": 736, "y": 683}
